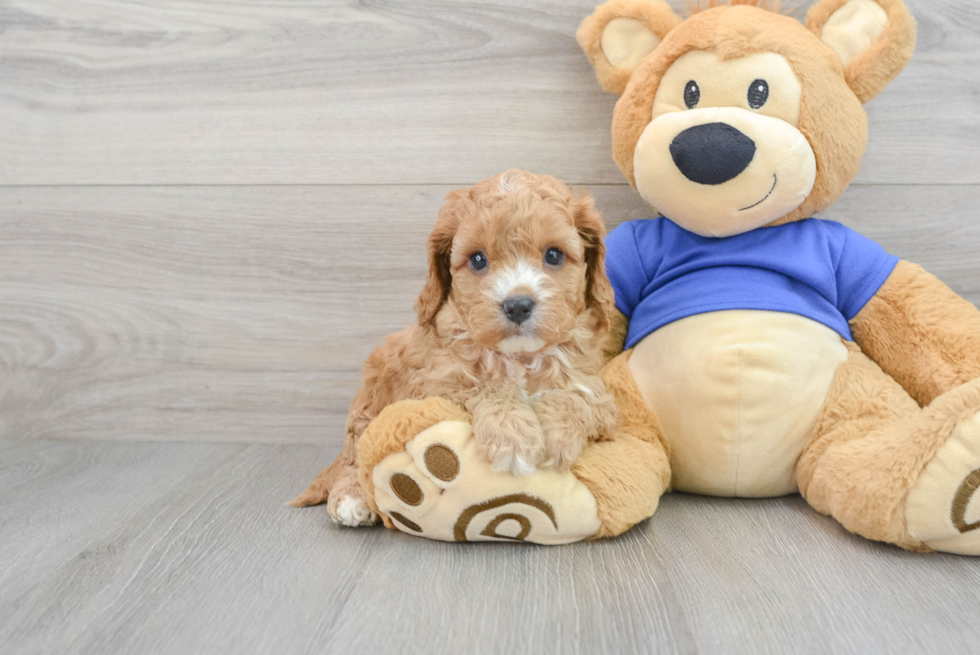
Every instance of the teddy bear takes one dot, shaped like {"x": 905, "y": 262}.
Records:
{"x": 758, "y": 351}
{"x": 776, "y": 352}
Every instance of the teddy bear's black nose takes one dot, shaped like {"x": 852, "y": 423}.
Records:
{"x": 713, "y": 153}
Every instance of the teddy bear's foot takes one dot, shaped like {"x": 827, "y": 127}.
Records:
{"x": 943, "y": 507}
{"x": 442, "y": 487}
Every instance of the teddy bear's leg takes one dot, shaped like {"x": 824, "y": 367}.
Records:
{"x": 874, "y": 448}
{"x": 424, "y": 475}
{"x": 943, "y": 507}
{"x": 630, "y": 473}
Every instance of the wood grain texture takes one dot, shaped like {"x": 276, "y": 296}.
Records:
{"x": 244, "y": 314}
{"x": 400, "y": 91}
{"x": 186, "y": 548}
{"x": 226, "y": 300}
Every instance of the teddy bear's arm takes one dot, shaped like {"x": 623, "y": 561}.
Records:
{"x": 618, "y": 327}
{"x": 921, "y": 333}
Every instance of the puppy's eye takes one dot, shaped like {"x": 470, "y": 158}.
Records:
{"x": 692, "y": 94}
{"x": 554, "y": 256}
{"x": 758, "y": 94}
{"x": 478, "y": 261}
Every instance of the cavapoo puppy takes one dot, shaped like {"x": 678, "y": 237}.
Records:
{"x": 511, "y": 324}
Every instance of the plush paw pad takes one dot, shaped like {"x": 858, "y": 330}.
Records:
{"x": 943, "y": 508}
{"x": 442, "y": 487}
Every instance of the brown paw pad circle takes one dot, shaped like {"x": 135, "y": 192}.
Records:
{"x": 523, "y": 523}
{"x": 962, "y": 500}
{"x": 441, "y": 462}
{"x": 407, "y": 489}
{"x": 518, "y": 516}
{"x": 405, "y": 521}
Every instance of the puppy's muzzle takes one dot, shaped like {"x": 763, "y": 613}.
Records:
{"x": 517, "y": 309}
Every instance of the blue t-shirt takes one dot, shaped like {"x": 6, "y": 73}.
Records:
{"x": 815, "y": 268}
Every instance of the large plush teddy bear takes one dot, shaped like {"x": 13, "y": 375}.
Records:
{"x": 777, "y": 352}
{"x": 767, "y": 352}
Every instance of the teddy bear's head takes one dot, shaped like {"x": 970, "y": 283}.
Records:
{"x": 740, "y": 117}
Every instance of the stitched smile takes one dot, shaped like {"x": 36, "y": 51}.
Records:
{"x": 774, "y": 181}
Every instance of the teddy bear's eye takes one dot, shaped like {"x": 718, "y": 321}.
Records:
{"x": 758, "y": 94}
{"x": 692, "y": 94}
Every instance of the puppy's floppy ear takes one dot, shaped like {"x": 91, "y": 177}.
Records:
{"x": 440, "y": 280}
{"x": 598, "y": 291}
{"x": 620, "y": 33}
{"x": 874, "y": 39}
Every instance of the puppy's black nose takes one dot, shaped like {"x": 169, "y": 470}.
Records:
{"x": 518, "y": 308}
{"x": 713, "y": 153}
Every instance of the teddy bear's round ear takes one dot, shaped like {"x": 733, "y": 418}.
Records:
{"x": 874, "y": 39}
{"x": 620, "y": 33}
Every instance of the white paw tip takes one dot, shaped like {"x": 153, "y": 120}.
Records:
{"x": 500, "y": 464}
{"x": 521, "y": 467}
{"x": 513, "y": 464}
{"x": 353, "y": 511}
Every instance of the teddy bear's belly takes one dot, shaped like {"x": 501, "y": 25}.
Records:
{"x": 738, "y": 394}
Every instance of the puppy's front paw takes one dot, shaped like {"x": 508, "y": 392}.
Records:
{"x": 562, "y": 446}
{"x": 512, "y": 442}
{"x": 506, "y": 459}
{"x": 570, "y": 421}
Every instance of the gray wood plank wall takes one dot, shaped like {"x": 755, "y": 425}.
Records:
{"x": 210, "y": 212}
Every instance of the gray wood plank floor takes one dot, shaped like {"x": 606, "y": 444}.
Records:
{"x": 187, "y": 548}
{"x": 211, "y": 211}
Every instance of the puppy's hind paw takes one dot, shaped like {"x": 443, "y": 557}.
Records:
{"x": 352, "y": 512}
